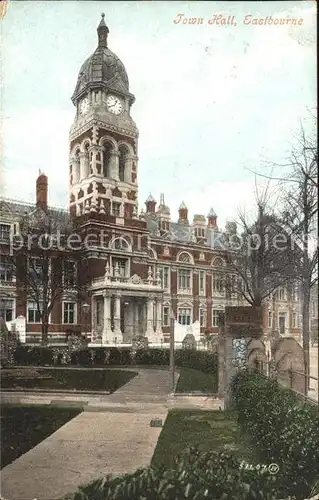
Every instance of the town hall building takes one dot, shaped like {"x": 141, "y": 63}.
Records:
{"x": 139, "y": 268}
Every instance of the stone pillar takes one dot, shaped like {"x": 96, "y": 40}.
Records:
{"x": 129, "y": 321}
{"x": 107, "y": 333}
{"x": 117, "y": 334}
{"x": 86, "y": 165}
{"x": 93, "y": 318}
{"x": 114, "y": 165}
{"x": 150, "y": 317}
{"x": 75, "y": 169}
{"x": 159, "y": 305}
{"x": 128, "y": 168}
{"x": 136, "y": 329}
{"x": 93, "y": 152}
{"x": 82, "y": 165}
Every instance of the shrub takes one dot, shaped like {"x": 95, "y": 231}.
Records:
{"x": 37, "y": 356}
{"x": 186, "y": 358}
{"x": 286, "y": 430}
{"x": 196, "y": 476}
{"x": 81, "y": 357}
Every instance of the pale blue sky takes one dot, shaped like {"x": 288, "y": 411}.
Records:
{"x": 211, "y": 101}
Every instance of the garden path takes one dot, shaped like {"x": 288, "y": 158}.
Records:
{"x": 112, "y": 436}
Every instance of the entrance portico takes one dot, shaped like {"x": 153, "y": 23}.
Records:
{"x": 126, "y": 307}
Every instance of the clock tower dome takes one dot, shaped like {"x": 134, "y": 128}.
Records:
{"x": 103, "y": 138}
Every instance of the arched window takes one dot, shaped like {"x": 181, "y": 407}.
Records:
{"x": 107, "y": 153}
{"x": 122, "y": 162}
{"x": 185, "y": 257}
{"x": 121, "y": 243}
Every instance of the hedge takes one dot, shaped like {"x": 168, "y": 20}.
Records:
{"x": 196, "y": 476}
{"x": 96, "y": 356}
{"x": 282, "y": 429}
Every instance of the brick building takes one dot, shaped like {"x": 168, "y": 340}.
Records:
{"x": 140, "y": 265}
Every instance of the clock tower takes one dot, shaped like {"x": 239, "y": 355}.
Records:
{"x": 103, "y": 137}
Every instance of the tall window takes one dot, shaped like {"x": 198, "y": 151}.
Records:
{"x": 164, "y": 273}
{"x": 6, "y": 309}
{"x": 199, "y": 232}
{"x": 218, "y": 283}
{"x": 184, "y": 316}
{"x": 6, "y": 268}
{"x": 282, "y": 293}
{"x": 116, "y": 209}
{"x": 69, "y": 312}
{"x": 36, "y": 265}
{"x": 269, "y": 319}
{"x": 99, "y": 312}
{"x": 119, "y": 267}
{"x": 5, "y": 232}
{"x": 165, "y": 316}
{"x": 34, "y": 315}
{"x": 202, "y": 317}
{"x": 184, "y": 279}
{"x": 69, "y": 273}
{"x": 202, "y": 282}
{"x": 122, "y": 162}
{"x": 216, "y": 313}
{"x": 107, "y": 153}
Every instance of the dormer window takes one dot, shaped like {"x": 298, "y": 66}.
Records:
{"x": 199, "y": 232}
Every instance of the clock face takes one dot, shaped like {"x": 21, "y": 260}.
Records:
{"x": 84, "y": 106}
{"x": 114, "y": 105}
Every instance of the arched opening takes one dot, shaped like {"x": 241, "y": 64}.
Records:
{"x": 107, "y": 154}
{"x": 122, "y": 163}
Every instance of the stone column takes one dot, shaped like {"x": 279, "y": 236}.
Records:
{"x": 75, "y": 169}
{"x": 107, "y": 333}
{"x": 150, "y": 317}
{"x": 159, "y": 305}
{"x": 135, "y": 319}
{"x": 93, "y": 318}
{"x": 114, "y": 165}
{"x": 93, "y": 151}
{"x": 117, "y": 334}
{"x": 128, "y": 168}
{"x": 82, "y": 165}
{"x": 129, "y": 321}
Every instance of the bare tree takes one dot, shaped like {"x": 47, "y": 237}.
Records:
{"x": 299, "y": 208}
{"x": 260, "y": 260}
{"x": 44, "y": 263}
{"x": 300, "y": 217}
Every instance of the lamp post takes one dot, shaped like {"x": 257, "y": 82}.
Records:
{"x": 85, "y": 309}
{"x": 171, "y": 350}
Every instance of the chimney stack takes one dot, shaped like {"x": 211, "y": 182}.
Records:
{"x": 150, "y": 205}
{"x": 183, "y": 214}
{"x": 212, "y": 219}
{"x": 42, "y": 191}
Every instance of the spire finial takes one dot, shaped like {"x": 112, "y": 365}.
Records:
{"x": 102, "y": 32}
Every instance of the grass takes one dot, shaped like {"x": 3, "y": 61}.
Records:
{"x": 206, "y": 430}
{"x": 195, "y": 381}
{"x": 23, "y": 427}
{"x": 81, "y": 379}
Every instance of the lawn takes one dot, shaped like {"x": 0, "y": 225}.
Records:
{"x": 23, "y": 427}
{"x": 207, "y": 430}
{"x": 195, "y": 381}
{"x": 80, "y": 379}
